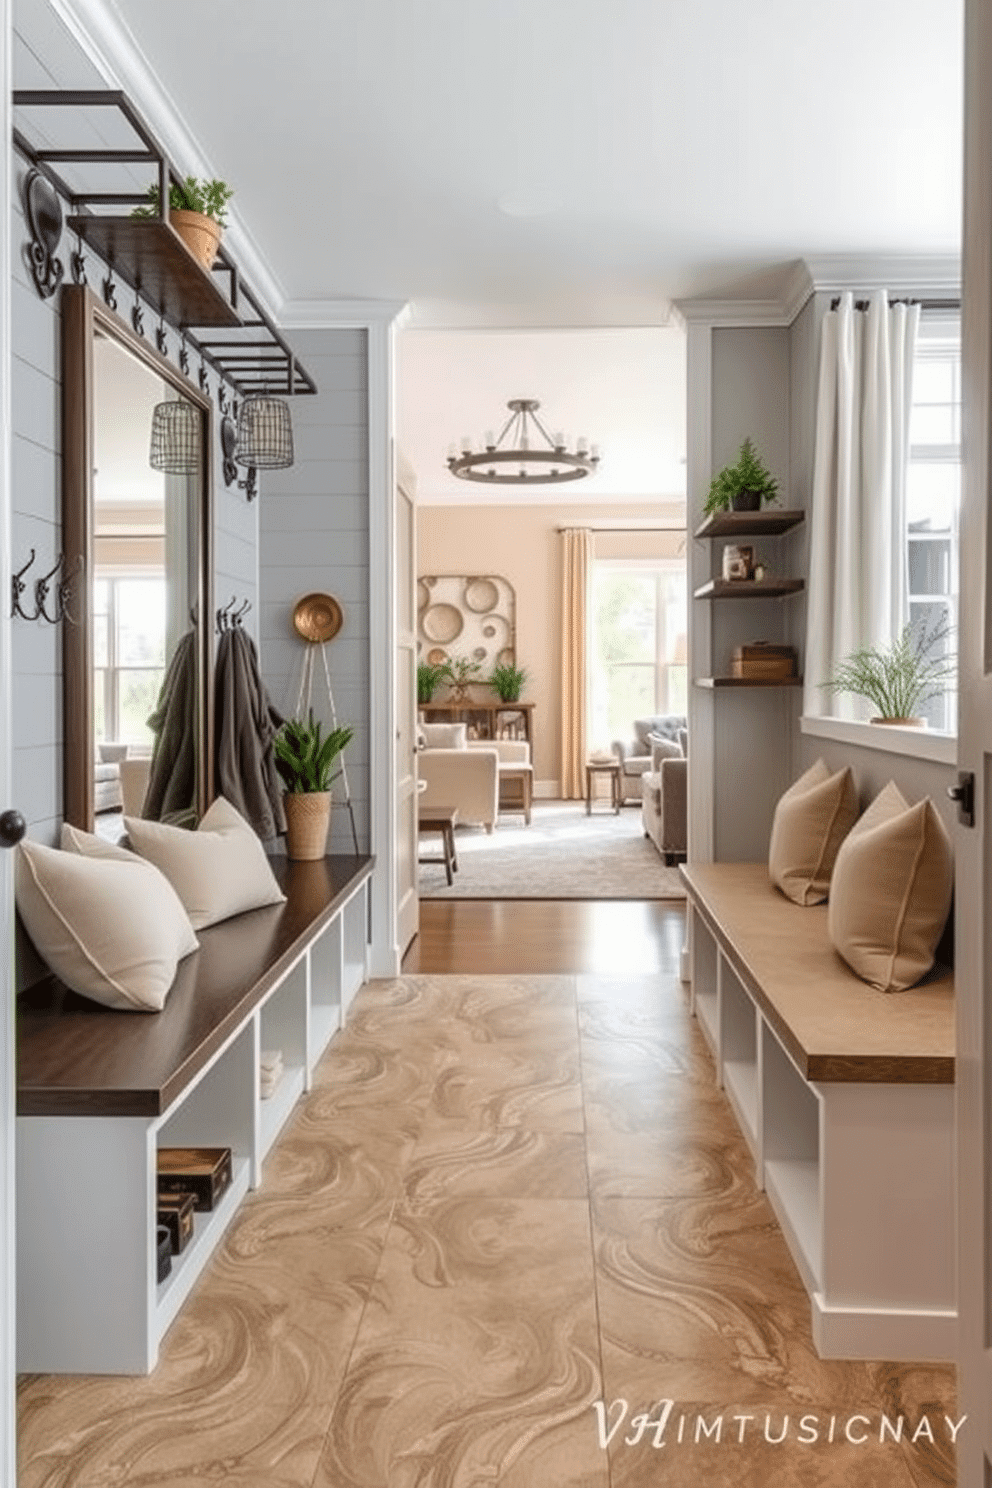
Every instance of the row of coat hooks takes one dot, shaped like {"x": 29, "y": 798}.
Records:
{"x": 228, "y": 618}
{"x": 62, "y": 584}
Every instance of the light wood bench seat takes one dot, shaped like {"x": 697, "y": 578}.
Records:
{"x": 845, "y": 1097}
{"x": 99, "y": 1091}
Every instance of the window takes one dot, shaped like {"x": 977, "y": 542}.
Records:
{"x": 128, "y": 656}
{"x": 933, "y": 491}
{"x": 638, "y": 644}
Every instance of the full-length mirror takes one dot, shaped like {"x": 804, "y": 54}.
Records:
{"x": 136, "y": 532}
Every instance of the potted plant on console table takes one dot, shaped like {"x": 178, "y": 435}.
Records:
{"x": 305, "y": 759}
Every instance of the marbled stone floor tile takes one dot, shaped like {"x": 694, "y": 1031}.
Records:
{"x": 537, "y": 1087}
{"x": 477, "y": 1359}
{"x": 742, "y": 1457}
{"x": 246, "y": 1379}
{"x": 512, "y": 1163}
{"x": 666, "y": 1148}
{"x": 702, "y": 1299}
{"x": 660, "y": 995}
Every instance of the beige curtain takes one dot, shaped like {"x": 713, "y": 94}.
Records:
{"x": 576, "y": 568}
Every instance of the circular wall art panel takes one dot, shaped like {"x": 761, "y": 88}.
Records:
{"x": 437, "y": 655}
{"x": 481, "y": 596}
{"x": 442, "y": 622}
{"x": 423, "y": 594}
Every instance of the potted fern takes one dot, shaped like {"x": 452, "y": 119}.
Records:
{"x": 745, "y": 486}
{"x": 197, "y": 211}
{"x": 899, "y": 678}
{"x": 305, "y": 759}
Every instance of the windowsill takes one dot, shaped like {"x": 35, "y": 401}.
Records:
{"x": 889, "y": 738}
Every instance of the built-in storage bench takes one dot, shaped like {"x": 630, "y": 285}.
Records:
{"x": 100, "y": 1091}
{"x": 845, "y": 1096}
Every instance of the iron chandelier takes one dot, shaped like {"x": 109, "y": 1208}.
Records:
{"x": 523, "y": 453}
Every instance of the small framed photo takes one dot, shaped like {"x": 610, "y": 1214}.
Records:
{"x": 738, "y": 561}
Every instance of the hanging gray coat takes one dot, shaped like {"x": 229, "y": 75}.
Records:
{"x": 172, "y": 775}
{"x": 245, "y": 727}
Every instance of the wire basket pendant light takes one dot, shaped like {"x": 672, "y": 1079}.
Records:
{"x": 177, "y": 438}
{"x": 523, "y": 453}
{"x": 265, "y": 433}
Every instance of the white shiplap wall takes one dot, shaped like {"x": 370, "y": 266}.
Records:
{"x": 314, "y": 537}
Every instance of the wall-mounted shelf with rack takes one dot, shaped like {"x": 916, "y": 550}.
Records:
{"x": 151, "y": 253}
{"x": 749, "y": 588}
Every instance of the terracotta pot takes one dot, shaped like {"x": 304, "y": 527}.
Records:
{"x": 308, "y": 820}
{"x": 200, "y": 233}
{"x": 902, "y": 722}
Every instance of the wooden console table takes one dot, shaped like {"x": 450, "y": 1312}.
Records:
{"x": 484, "y": 720}
{"x": 99, "y": 1091}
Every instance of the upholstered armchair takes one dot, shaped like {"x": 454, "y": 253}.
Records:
{"x": 516, "y": 773}
{"x": 635, "y": 754}
{"x": 464, "y": 778}
{"x": 663, "y": 808}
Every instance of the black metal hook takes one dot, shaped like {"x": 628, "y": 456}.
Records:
{"x": 161, "y": 339}
{"x": 63, "y": 593}
{"x": 110, "y": 289}
{"x": 41, "y": 587}
{"x": 137, "y": 313}
{"x": 184, "y": 354}
{"x": 78, "y": 261}
{"x": 17, "y": 588}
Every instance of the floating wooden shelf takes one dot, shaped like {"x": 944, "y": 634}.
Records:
{"x": 149, "y": 254}
{"x": 749, "y": 588}
{"x": 749, "y": 524}
{"x": 749, "y": 682}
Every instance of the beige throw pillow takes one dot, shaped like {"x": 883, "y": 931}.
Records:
{"x": 445, "y": 735}
{"x": 218, "y": 871}
{"x": 811, "y": 821}
{"x": 662, "y": 749}
{"x": 891, "y": 891}
{"x": 109, "y": 925}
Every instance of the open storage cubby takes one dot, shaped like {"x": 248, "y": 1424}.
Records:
{"x": 791, "y": 1156}
{"x": 739, "y": 1053}
{"x": 87, "y": 1137}
{"x": 705, "y": 991}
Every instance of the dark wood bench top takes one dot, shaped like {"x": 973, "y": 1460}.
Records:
{"x": 835, "y": 1026}
{"x": 76, "y": 1058}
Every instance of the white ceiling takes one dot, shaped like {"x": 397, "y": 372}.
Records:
{"x": 565, "y": 162}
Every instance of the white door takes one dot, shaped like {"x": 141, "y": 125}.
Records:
{"x": 973, "y": 846}
{"x": 8, "y": 1469}
{"x": 405, "y": 530}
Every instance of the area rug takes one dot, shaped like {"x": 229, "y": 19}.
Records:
{"x": 563, "y": 854}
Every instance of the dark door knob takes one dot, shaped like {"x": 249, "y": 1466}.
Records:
{"x": 12, "y": 828}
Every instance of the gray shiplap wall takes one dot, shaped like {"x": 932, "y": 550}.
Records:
{"x": 314, "y": 537}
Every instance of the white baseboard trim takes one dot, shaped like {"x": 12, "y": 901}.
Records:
{"x": 879, "y": 1333}
{"x": 546, "y": 790}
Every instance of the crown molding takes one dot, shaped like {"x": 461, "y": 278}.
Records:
{"x": 351, "y": 315}
{"x": 929, "y": 276}
{"x": 102, "y": 35}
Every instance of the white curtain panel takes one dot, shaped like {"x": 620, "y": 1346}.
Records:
{"x": 858, "y": 579}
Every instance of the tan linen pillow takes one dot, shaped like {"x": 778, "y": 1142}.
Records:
{"x": 662, "y": 749}
{"x": 445, "y": 735}
{"x": 109, "y": 925}
{"x": 891, "y": 891}
{"x": 811, "y": 821}
{"x": 218, "y": 871}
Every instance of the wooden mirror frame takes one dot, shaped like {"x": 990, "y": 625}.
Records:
{"x": 83, "y": 314}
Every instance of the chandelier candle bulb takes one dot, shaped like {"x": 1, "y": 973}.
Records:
{"x": 559, "y": 441}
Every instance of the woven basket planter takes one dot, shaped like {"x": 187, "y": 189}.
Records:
{"x": 200, "y": 233}
{"x": 308, "y": 820}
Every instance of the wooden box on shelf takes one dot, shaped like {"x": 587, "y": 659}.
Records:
{"x": 761, "y": 660}
{"x": 175, "y": 1211}
{"x": 204, "y": 1172}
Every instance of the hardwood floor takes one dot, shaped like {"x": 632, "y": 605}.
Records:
{"x": 534, "y": 936}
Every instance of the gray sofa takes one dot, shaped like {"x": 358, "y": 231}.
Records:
{"x": 635, "y": 754}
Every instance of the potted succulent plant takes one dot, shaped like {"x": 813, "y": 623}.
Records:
{"x": 197, "y": 211}
{"x": 899, "y": 678}
{"x": 508, "y": 681}
{"x": 745, "y": 486}
{"x": 305, "y": 759}
{"x": 429, "y": 675}
{"x": 461, "y": 672}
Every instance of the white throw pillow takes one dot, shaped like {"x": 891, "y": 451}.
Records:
{"x": 662, "y": 749}
{"x": 218, "y": 871}
{"x": 111, "y": 926}
{"x": 445, "y": 735}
